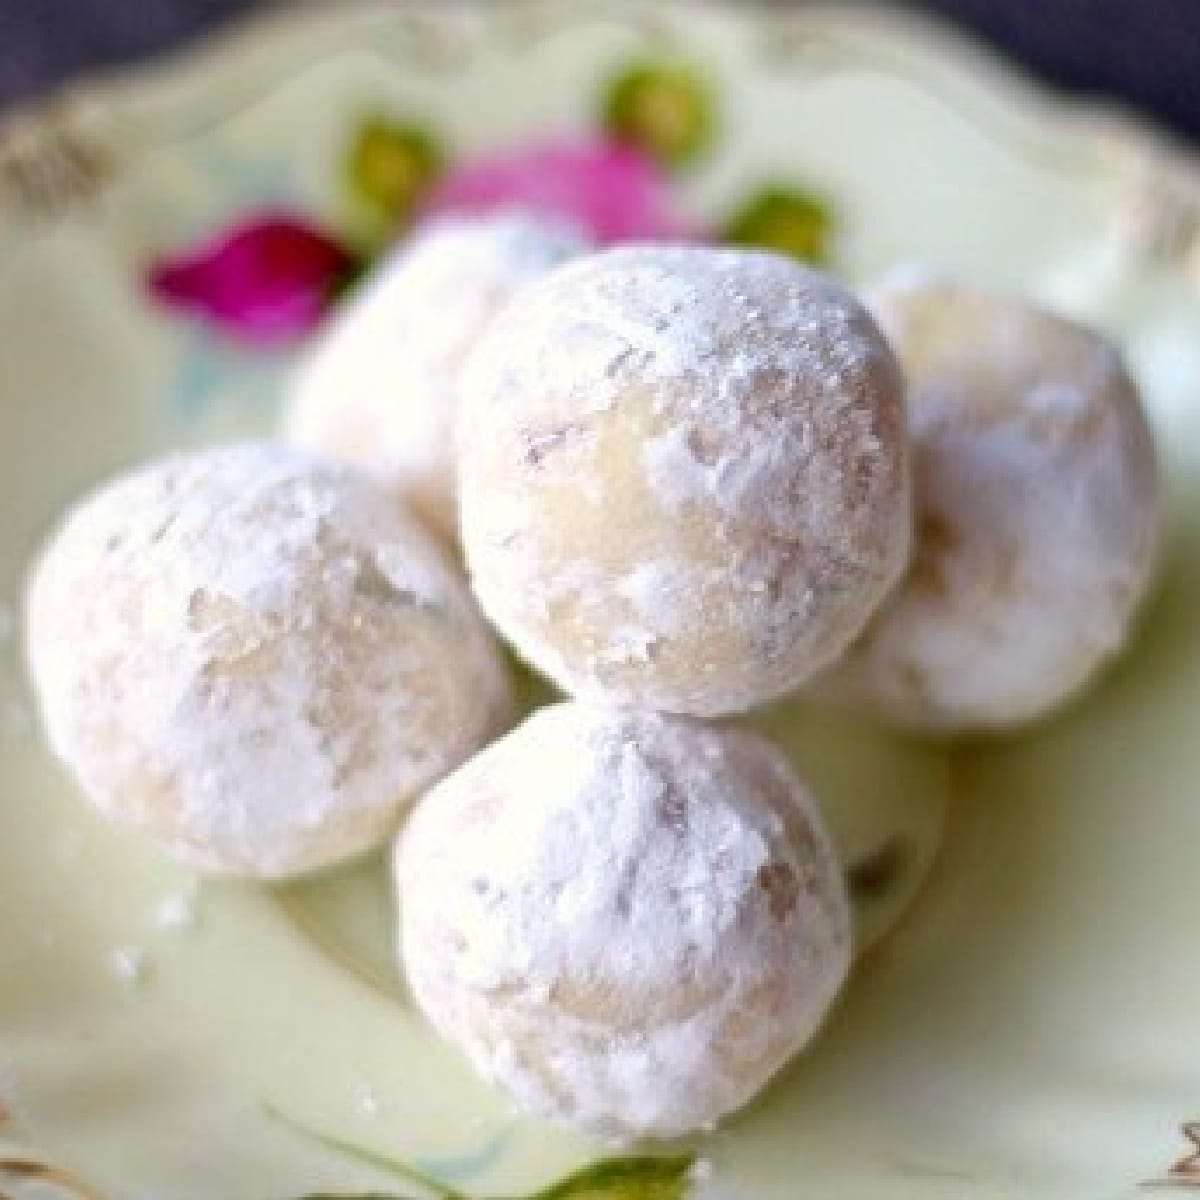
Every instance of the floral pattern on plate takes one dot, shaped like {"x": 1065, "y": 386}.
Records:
{"x": 271, "y": 278}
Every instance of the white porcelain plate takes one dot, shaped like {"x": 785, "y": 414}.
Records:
{"x": 1031, "y": 1030}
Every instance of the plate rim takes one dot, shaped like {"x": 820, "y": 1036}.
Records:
{"x": 1122, "y": 139}
{"x": 56, "y": 138}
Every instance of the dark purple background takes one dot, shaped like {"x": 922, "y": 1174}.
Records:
{"x": 1146, "y": 52}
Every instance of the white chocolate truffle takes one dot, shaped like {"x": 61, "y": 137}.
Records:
{"x": 683, "y": 475}
{"x": 257, "y": 659}
{"x": 628, "y": 921}
{"x": 379, "y": 387}
{"x": 1037, "y": 505}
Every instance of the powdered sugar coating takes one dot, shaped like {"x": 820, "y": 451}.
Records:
{"x": 628, "y": 921}
{"x": 256, "y": 658}
{"x": 379, "y": 387}
{"x": 683, "y": 475}
{"x": 1037, "y": 513}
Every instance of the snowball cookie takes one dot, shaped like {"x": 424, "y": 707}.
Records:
{"x": 379, "y": 386}
{"x": 256, "y": 658}
{"x": 628, "y": 921}
{"x": 1038, "y": 513}
{"x": 683, "y": 475}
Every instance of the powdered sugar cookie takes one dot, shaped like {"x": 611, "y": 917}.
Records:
{"x": 379, "y": 387}
{"x": 1037, "y": 514}
{"x": 628, "y": 921}
{"x": 683, "y": 475}
{"x": 256, "y": 659}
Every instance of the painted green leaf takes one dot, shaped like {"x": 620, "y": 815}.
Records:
{"x": 626, "y": 1179}
{"x": 390, "y": 166}
{"x": 637, "y": 1178}
{"x": 372, "y": 1158}
{"x": 615, "y": 1179}
{"x": 787, "y": 220}
{"x": 664, "y": 108}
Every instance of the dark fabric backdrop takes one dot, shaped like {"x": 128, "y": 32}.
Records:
{"x": 1146, "y": 52}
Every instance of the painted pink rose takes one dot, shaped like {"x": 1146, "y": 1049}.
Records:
{"x": 267, "y": 281}
{"x": 613, "y": 190}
